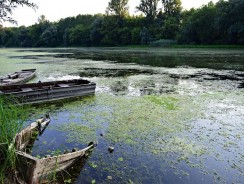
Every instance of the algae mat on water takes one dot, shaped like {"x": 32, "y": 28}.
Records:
{"x": 181, "y": 120}
{"x": 173, "y": 129}
{"x": 152, "y": 123}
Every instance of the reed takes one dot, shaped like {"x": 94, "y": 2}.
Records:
{"x": 12, "y": 117}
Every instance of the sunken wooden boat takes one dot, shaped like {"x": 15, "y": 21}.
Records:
{"x": 18, "y": 77}
{"x": 48, "y": 91}
{"x": 32, "y": 170}
{"x": 27, "y": 136}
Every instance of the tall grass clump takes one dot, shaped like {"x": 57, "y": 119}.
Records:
{"x": 12, "y": 116}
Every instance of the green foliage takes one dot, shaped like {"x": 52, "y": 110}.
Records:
{"x": 220, "y": 23}
{"x": 200, "y": 27}
{"x": 23, "y": 37}
{"x": 96, "y": 34}
{"x": 149, "y": 8}
{"x": 11, "y": 121}
{"x": 170, "y": 28}
{"x": 135, "y": 36}
{"x": 79, "y": 35}
{"x": 114, "y": 31}
{"x": 145, "y": 37}
{"x": 172, "y": 8}
{"x": 49, "y": 36}
{"x": 118, "y": 7}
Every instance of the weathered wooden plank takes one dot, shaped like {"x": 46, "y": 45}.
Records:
{"x": 32, "y": 169}
{"x": 26, "y": 136}
{"x": 26, "y": 164}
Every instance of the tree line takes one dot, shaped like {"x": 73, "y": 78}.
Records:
{"x": 161, "y": 22}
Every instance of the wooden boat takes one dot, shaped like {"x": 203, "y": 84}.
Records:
{"x": 27, "y": 136}
{"x": 47, "y": 91}
{"x": 33, "y": 170}
{"x": 18, "y": 77}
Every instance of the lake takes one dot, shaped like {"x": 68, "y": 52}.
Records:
{"x": 172, "y": 115}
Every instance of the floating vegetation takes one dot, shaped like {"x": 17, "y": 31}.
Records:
{"x": 167, "y": 124}
{"x": 168, "y": 102}
{"x": 151, "y": 123}
{"x": 77, "y": 132}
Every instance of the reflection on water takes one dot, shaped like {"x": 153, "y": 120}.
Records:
{"x": 173, "y": 115}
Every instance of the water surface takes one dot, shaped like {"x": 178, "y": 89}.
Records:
{"x": 172, "y": 115}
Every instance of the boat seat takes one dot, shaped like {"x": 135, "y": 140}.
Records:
{"x": 13, "y": 76}
{"x": 63, "y": 85}
{"x": 26, "y": 89}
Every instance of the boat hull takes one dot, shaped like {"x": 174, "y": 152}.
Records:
{"x": 49, "y": 91}
{"x": 33, "y": 170}
{"x": 18, "y": 77}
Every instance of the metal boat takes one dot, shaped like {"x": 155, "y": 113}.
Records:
{"x": 18, "y": 77}
{"x": 48, "y": 91}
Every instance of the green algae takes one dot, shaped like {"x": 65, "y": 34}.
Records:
{"x": 191, "y": 124}
{"x": 77, "y": 132}
{"x": 92, "y": 164}
{"x": 151, "y": 123}
{"x": 168, "y": 102}
{"x": 121, "y": 159}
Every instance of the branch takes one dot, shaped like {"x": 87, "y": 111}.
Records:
{"x": 7, "y": 7}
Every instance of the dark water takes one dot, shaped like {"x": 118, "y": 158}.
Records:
{"x": 172, "y": 115}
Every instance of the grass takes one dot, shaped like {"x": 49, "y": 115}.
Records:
{"x": 11, "y": 121}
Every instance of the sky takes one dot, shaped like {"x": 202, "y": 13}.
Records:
{"x": 54, "y": 10}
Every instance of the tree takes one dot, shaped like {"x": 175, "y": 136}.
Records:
{"x": 79, "y": 35}
{"x": 36, "y": 31}
{"x": 169, "y": 18}
{"x": 200, "y": 28}
{"x": 230, "y": 21}
{"x": 118, "y": 7}
{"x": 49, "y": 36}
{"x": 149, "y": 8}
{"x": 42, "y": 19}
{"x": 170, "y": 28}
{"x": 23, "y": 37}
{"x": 125, "y": 36}
{"x": 7, "y": 7}
{"x": 95, "y": 34}
{"x": 145, "y": 37}
{"x": 135, "y": 36}
{"x": 110, "y": 29}
{"x": 9, "y": 37}
{"x": 172, "y": 8}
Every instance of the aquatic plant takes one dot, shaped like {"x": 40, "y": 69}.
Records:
{"x": 155, "y": 122}
{"x": 11, "y": 121}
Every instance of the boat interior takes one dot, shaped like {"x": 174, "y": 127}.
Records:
{"x": 42, "y": 86}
